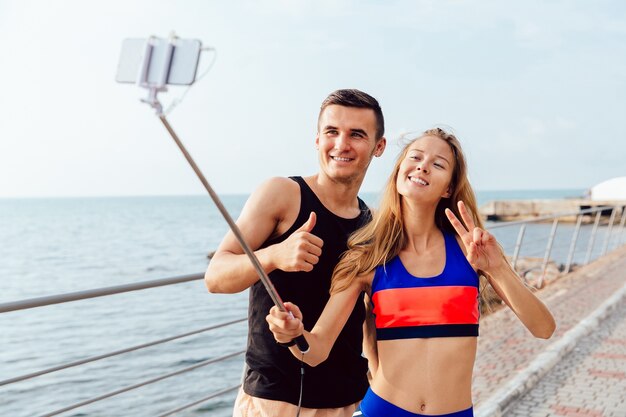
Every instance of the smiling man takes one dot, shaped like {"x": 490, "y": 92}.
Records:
{"x": 298, "y": 228}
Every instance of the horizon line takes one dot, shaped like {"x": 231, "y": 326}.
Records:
{"x": 41, "y": 197}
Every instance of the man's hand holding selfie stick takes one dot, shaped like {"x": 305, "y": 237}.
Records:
{"x": 153, "y": 64}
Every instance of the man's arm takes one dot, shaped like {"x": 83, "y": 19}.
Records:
{"x": 262, "y": 217}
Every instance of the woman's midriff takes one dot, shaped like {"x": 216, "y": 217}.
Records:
{"x": 426, "y": 376}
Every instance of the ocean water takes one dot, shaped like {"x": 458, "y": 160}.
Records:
{"x": 53, "y": 246}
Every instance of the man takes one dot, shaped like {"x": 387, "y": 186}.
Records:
{"x": 298, "y": 228}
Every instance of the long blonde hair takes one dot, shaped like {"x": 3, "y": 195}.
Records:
{"x": 385, "y": 236}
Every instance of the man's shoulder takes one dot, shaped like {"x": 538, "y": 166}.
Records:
{"x": 278, "y": 188}
{"x": 280, "y": 182}
{"x": 276, "y": 197}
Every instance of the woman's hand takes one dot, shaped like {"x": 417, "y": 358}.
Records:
{"x": 484, "y": 253}
{"x": 285, "y": 325}
{"x": 481, "y": 248}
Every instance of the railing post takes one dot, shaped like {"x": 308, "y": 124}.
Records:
{"x": 518, "y": 244}
{"x": 621, "y": 226}
{"x": 572, "y": 247}
{"x": 546, "y": 257}
{"x": 608, "y": 231}
{"x": 593, "y": 236}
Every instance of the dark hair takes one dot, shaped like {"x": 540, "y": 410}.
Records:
{"x": 356, "y": 98}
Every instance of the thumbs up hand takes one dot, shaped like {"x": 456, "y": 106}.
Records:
{"x": 309, "y": 224}
{"x": 301, "y": 250}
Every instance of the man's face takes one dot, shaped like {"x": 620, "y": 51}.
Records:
{"x": 346, "y": 140}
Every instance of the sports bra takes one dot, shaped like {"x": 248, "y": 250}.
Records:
{"x": 408, "y": 307}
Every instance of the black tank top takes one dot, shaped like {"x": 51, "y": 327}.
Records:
{"x": 272, "y": 371}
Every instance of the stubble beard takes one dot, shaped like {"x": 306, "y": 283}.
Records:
{"x": 353, "y": 179}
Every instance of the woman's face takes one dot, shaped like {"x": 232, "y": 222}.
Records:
{"x": 426, "y": 170}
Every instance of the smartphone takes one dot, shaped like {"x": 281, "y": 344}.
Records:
{"x": 182, "y": 69}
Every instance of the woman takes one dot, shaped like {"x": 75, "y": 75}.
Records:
{"x": 420, "y": 267}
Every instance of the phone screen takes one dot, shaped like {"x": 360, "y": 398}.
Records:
{"x": 182, "y": 69}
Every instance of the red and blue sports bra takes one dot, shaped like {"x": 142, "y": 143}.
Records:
{"x": 408, "y": 307}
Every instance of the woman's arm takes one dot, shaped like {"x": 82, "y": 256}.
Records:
{"x": 370, "y": 348}
{"x": 526, "y": 306}
{"x": 323, "y": 335}
{"x": 484, "y": 253}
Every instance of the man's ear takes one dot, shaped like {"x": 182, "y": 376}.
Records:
{"x": 317, "y": 141}
{"x": 381, "y": 144}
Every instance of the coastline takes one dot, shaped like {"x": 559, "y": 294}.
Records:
{"x": 513, "y": 210}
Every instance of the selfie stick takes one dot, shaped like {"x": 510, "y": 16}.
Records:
{"x": 153, "y": 89}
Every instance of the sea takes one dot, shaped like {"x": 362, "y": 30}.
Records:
{"x": 58, "y": 245}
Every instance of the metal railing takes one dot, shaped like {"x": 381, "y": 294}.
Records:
{"x": 96, "y": 292}
{"x": 612, "y": 234}
{"x": 119, "y": 289}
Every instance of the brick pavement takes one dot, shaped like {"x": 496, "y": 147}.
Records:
{"x": 589, "y": 382}
{"x": 505, "y": 347}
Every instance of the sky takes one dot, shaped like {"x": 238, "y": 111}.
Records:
{"x": 534, "y": 90}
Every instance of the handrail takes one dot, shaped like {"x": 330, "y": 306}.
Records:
{"x": 93, "y": 293}
{"x": 115, "y": 353}
{"x": 621, "y": 209}
{"x": 143, "y": 383}
{"x": 99, "y": 292}
{"x": 201, "y": 400}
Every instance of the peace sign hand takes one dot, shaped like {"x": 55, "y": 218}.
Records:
{"x": 482, "y": 249}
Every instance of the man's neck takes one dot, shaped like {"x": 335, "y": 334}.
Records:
{"x": 339, "y": 197}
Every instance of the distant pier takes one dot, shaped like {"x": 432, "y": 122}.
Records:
{"x": 512, "y": 210}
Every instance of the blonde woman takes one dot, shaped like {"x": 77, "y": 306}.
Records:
{"x": 420, "y": 266}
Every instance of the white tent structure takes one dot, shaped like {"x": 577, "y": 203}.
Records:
{"x": 610, "y": 190}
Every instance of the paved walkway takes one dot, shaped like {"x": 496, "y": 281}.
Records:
{"x": 506, "y": 349}
{"x": 589, "y": 382}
